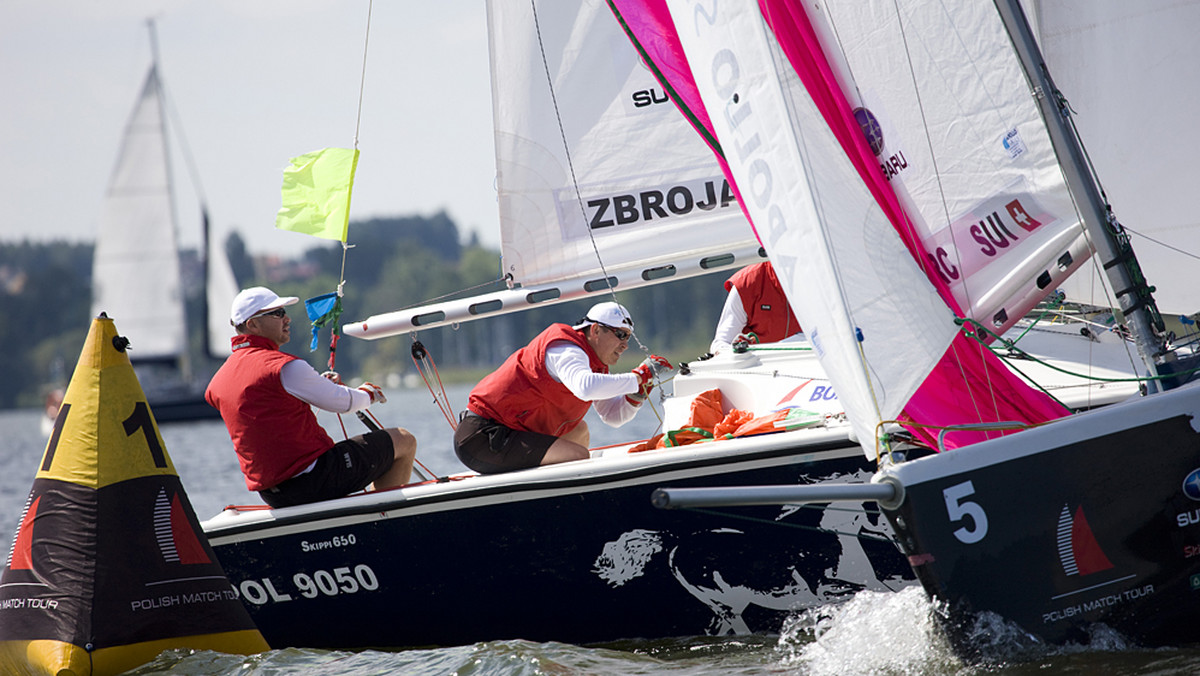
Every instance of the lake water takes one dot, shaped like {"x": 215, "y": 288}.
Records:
{"x": 871, "y": 634}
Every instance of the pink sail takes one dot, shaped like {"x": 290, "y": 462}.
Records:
{"x": 968, "y": 384}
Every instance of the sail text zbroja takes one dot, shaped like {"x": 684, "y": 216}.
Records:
{"x": 678, "y": 200}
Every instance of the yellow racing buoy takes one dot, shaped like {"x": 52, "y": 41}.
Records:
{"x": 109, "y": 566}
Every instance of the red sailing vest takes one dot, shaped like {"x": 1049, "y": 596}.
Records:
{"x": 768, "y": 314}
{"x": 522, "y": 394}
{"x": 275, "y": 434}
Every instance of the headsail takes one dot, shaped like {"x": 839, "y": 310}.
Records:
{"x": 894, "y": 324}
{"x": 137, "y": 238}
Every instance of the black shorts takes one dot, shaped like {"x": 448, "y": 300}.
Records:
{"x": 349, "y": 466}
{"x": 488, "y": 447}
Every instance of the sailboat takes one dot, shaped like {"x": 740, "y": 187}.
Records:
{"x": 603, "y": 186}
{"x": 1061, "y": 525}
{"x": 136, "y": 276}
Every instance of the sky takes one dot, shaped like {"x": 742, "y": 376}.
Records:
{"x": 257, "y": 82}
{"x": 251, "y": 84}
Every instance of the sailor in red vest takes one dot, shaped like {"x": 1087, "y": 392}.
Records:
{"x": 266, "y": 397}
{"x": 755, "y": 309}
{"x": 529, "y": 412}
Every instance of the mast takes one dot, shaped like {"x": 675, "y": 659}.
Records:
{"x": 1106, "y": 234}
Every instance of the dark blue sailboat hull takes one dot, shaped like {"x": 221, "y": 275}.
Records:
{"x": 1088, "y": 521}
{"x": 579, "y": 556}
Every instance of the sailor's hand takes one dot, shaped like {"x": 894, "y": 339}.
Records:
{"x": 651, "y": 368}
{"x": 648, "y": 373}
{"x": 332, "y": 375}
{"x": 375, "y": 392}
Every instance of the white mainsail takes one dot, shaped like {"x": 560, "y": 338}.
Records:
{"x": 594, "y": 163}
{"x": 135, "y": 271}
{"x": 600, "y": 180}
{"x": 1128, "y": 69}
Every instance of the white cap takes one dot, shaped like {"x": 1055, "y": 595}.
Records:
{"x": 253, "y": 301}
{"x": 607, "y": 313}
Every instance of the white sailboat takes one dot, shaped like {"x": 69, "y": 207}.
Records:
{"x": 1061, "y": 528}
{"x": 136, "y": 276}
{"x": 603, "y": 187}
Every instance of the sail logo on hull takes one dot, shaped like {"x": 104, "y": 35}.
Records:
{"x": 1078, "y": 550}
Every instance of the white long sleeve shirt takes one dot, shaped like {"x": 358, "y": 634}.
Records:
{"x": 302, "y": 381}
{"x": 733, "y": 320}
{"x": 569, "y": 365}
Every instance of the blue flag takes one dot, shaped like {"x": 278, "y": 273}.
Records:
{"x": 323, "y": 310}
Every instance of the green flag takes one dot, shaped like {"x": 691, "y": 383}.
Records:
{"x": 316, "y": 193}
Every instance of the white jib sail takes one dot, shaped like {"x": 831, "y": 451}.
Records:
{"x": 960, "y": 138}
{"x": 588, "y": 147}
{"x": 135, "y": 274}
{"x": 843, "y": 267}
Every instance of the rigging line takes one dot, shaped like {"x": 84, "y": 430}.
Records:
{"x": 362, "y": 83}
{"x": 362, "y": 86}
{"x": 1025, "y": 356}
{"x": 942, "y": 192}
{"x": 567, "y": 153}
{"x": 1161, "y": 243}
{"x": 189, "y": 160}
{"x": 537, "y": 25}
{"x": 426, "y": 366}
{"x": 498, "y": 280}
{"x": 907, "y": 223}
{"x": 365, "y": 413}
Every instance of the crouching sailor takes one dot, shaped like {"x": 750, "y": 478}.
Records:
{"x": 265, "y": 397}
{"x": 529, "y": 412}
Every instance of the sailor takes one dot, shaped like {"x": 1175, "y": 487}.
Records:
{"x": 756, "y": 309}
{"x": 529, "y": 412}
{"x": 266, "y": 396}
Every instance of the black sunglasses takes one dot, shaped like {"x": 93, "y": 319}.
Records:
{"x": 620, "y": 334}
{"x": 277, "y": 312}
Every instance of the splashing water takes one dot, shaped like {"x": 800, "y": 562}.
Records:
{"x": 874, "y": 632}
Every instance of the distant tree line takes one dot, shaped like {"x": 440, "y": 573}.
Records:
{"x": 45, "y": 305}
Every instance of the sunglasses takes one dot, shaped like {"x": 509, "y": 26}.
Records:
{"x": 620, "y": 334}
{"x": 277, "y": 312}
